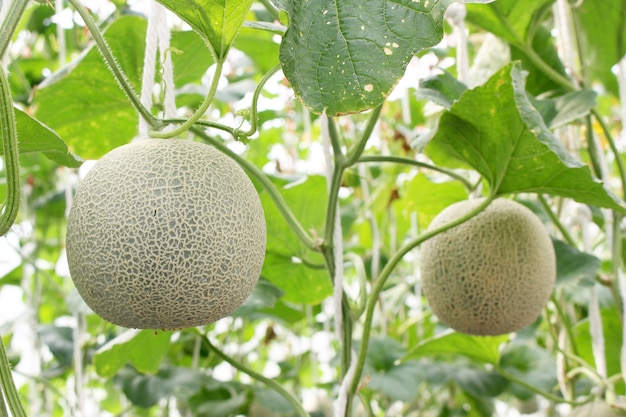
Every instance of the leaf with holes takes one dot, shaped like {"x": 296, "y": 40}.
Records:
{"x": 216, "y": 21}
{"x": 346, "y": 56}
{"x": 495, "y": 129}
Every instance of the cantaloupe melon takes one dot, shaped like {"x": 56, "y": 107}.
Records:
{"x": 597, "y": 408}
{"x": 492, "y": 274}
{"x": 165, "y": 234}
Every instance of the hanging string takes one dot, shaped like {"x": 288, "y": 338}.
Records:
{"x": 157, "y": 37}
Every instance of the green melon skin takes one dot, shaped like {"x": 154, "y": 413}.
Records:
{"x": 492, "y": 274}
{"x": 165, "y": 234}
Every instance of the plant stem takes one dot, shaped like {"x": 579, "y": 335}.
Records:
{"x": 556, "y": 221}
{"x": 355, "y": 153}
{"x": 7, "y": 385}
{"x": 407, "y": 161}
{"x": 254, "y": 375}
{"x": 616, "y": 153}
{"x": 16, "y": 10}
{"x": 534, "y": 389}
{"x": 254, "y": 112}
{"x": 278, "y": 199}
{"x": 386, "y": 273}
{"x": 112, "y": 64}
{"x": 201, "y": 110}
{"x": 271, "y": 9}
{"x": 8, "y": 133}
{"x": 3, "y": 406}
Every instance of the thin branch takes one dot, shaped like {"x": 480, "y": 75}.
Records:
{"x": 386, "y": 273}
{"x": 406, "y": 161}
{"x": 254, "y": 375}
{"x": 16, "y": 10}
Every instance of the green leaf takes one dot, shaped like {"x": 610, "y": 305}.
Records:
{"x": 259, "y": 45}
{"x": 428, "y": 197}
{"x": 34, "y": 136}
{"x": 218, "y": 399}
{"x": 216, "y": 21}
{"x": 612, "y": 329}
{"x": 543, "y": 45}
{"x": 573, "y": 265}
{"x": 301, "y": 283}
{"x": 442, "y": 89}
{"x": 562, "y": 110}
{"x": 397, "y": 380}
{"x": 144, "y": 349}
{"x": 508, "y": 19}
{"x": 289, "y": 264}
{"x": 531, "y": 364}
{"x": 346, "y": 56}
{"x": 86, "y": 107}
{"x": 602, "y": 32}
{"x": 480, "y": 348}
{"x": 190, "y": 57}
{"x": 147, "y": 390}
{"x": 478, "y": 382}
{"x": 495, "y": 129}
{"x": 60, "y": 342}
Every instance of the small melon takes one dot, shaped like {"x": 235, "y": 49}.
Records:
{"x": 165, "y": 234}
{"x": 597, "y": 408}
{"x": 492, "y": 274}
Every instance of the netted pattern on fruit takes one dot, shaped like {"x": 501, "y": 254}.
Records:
{"x": 165, "y": 234}
{"x": 492, "y": 274}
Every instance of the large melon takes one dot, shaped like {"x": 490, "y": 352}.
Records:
{"x": 492, "y": 274}
{"x": 165, "y": 234}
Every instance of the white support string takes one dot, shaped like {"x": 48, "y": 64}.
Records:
{"x": 456, "y": 15}
{"x": 342, "y": 398}
{"x": 157, "y": 36}
{"x": 595, "y": 317}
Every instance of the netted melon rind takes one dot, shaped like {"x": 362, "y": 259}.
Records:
{"x": 492, "y": 274}
{"x": 165, "y": 234}
{"x": 597, "y": 408}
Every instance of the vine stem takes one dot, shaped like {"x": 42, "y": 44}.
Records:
{"x": 8, "y": 131}
{"x": 278, "y": 199}
{"x": 399, "y": 160}
{"x": 14, "y": 14}
{"x": 201, "y": 110}
{"x": 534, "y": 389}
{"x": 386, "y": 273}
{"x": 255, "y": 375}
{"x": 112, "y": 64}
{"x": 254, "y": 116}
{"x": 8, "y": 385}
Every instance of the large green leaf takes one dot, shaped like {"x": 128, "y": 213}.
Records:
{"x": 495, "y": 129}
{"x": 34, "y": 136}
{"x": 346, "y": 56}
{"x": 217, "y": 21}
{"x": 144, "y": 349}
{"x": 86, "y": 107}
{"x": 602, "y": 31}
